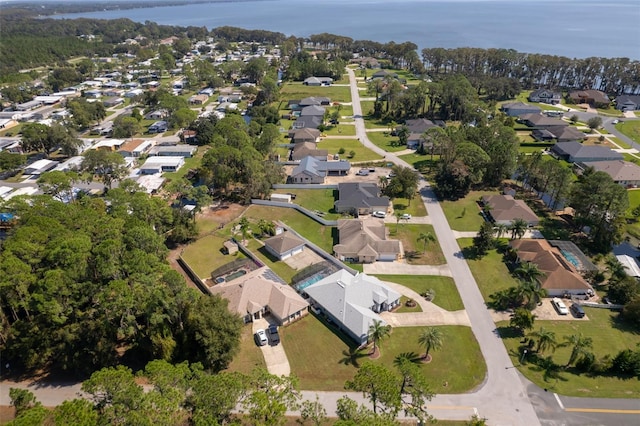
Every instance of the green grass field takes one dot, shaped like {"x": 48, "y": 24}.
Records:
{"x": 422, "y": 163}
{"x": 361, "y": 153}
{"x": 385, "y": 141}
{"x": 464, "y": 214}
{"x": 413, "y": 249}
{"x": 300, "y": 91}
{"x": 630, "y": 128}
{"x": 321, "y": 199}
{"x": 415, "y": 207}
{"x": 447, "y": 296}
{"x": 322, "y": 358}
{"x": 609, "y": 335}
{"x": 490, "y": 272}
{"x": 205, "y": 255}
{"x": 341, "y": 130}
{"x": 249, "y": 355}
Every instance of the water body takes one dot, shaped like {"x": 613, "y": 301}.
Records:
{"x": 572, "y": 28}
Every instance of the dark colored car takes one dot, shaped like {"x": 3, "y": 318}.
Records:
{"x": 577, "y": 310}
{"x": 274, "y": 337}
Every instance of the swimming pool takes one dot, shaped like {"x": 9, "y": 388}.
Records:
{"x": 571, "y": 258}
{"x": 309, "y": 281}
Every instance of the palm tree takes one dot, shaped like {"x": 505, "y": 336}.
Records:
{"x": 518, "y": 228}
{"x": 500, "y": 229}
{"x": 529, "y": 272}
{"x": 546, "y": 340}
{"x": 531, "y": 293}
{"x": 378, "y": 331}
{"x": 430, "y": 338}
{"x": 244, "y": 228}
{"x": 580, "y": 345}
{"x": 426, "y": 237}
{"x": 398, "y": 216}
{"x": 405, "y": 363}
{"x": 615, "y": 269}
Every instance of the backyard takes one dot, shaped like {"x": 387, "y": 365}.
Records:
{"x": 609, "y": 335}
{"x": 446, "y": 293}
{"x": 281, "y": 269}
{"x": 205, "y": 255}
{"x": 464, "y": 214}
{"x": 320, "y": 199}
{"x": 323, "y": 359}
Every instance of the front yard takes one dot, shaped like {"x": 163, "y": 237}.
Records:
{"x": 415, "y": 251}
{"x": 249, "y": 355}
{"x": 631, "y": 128}
{"x": 360, "y": 152}
{"x": 323, "y": 359}
{"x": 446, "y": 293}
{"x": 385, "y": 141}
{"x": 300, "y": 91}
{"x": 464, "y": 214}
{"x": 609, "y": 335}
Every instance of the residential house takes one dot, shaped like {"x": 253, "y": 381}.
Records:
{"x": 158, "y": 114}
{"x": 133, "y": 93}
{"x": 360, "y": 198}
{"x": 159, "y": 164}
{"x": 71, "y": 164}
{"x": 541, "y": 121}
{"x": 158, "y": 127}
{"x": 558, "y": 133}
{"x": 189, "y": 137}
{"x": 622, "y": 172}
{"x": 366, "y": 62}
{"x": 630, "y": 265}
{"x": 353, "y": 302}
{"x": 307, "y": 122}
{"x": 313, "y": 171}
{"x": 226, "y": 106}
{"x": 365, "y": 241}
{"x": 28, "y": 106}
{"x": 627, "y": 102}
{"x": 595, "y": 98}
{"x": 180, "y": 150}
{"x": 108, "y": 144}
{"x": 314, "y": 100}
{"x": 312, "y": 110}
{"x": 39, "y": 167}
{"x": 318, "y": 81}
{"x": 7, "y": 123}
{"x": 545, "y": 96}
{"x": 136, "y": 147}
{"x": 504, "y": 210}
{"x": 284, "y": 245}
{"x": 207, "y": 91}
{"x": 560, "y": 277}
{"x": 256, "y": 294}
{"x": 308, "y": 149}
{"x": 383, "y": 74}
{"x": 419, "y": 125}
{"x": 112, "y": 102}
{"x": 198, "y": 99}
{"x": 516, "y": 109}
{"x": 304, "y": 135}
{"x": 575, "y": 152}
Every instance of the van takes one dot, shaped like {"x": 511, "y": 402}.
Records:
{"x": 577, "y": 310}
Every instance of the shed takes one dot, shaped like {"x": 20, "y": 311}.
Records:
{"x": 230, "y": 247}
{"x": 284, "y": 245}
{"x": 282, "y": 198}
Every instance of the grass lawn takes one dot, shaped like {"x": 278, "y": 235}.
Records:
{"x": 205, "y": 255}
{"x": 323, "y": 359}
{"x": 422, "y": 163}
{"x": 300, "y": 91}
{"x": 416, "y": 208}
{"x": 408, "y": 234}
{"x": 283, "y": 270}
{"x": 447, "y": 296}
{"x": 404, "y": 308}
{"x": 341, "y": 129}
{"x": 361, "y": 153}
{"x": 457, "y": 367}
{"x": 317, "y": 199}
{"x": 249, "y": 355}
{"x": 530, "y": 149}
{"x": 633, "y": 228}
{"x": 631, "y": 128}
{"x": 386, "y": 142}
{"x": 464, "y": 214}
{"x": 12, "y": 131}
{"x": 609, "y": 337}
{"x": 189, "y": 163}
{"x": 320, "y": 235}
{"x": 619, "y": 142}
{"x": 490, "y": 272}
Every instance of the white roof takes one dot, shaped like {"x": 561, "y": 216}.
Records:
{"x": 48, "y": 99}
{"x": 70, "y": 163}
{"x": 4, "y": 190}
{"x": 150, "y": 182}
{"x": 630, "y": 265}
{"x": 111, "y": 143}
{"x": 163, "y": 161}
{"x": 39, "y": 166}
{"x": 27, "y": 190}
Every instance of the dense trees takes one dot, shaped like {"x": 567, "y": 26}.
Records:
{"x": 38, "y": 137}
{"x": 84, "y": 286}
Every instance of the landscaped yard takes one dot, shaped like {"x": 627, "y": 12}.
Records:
{"x": 385, "y": 141}
{"x": 490, "y": 271}
{"x": 464, "y": 214}
{"x": 341, "y": 130}
{"x": 415, "y": 208}
{"x": 447, "y": 296}
{"x": 361, "y": 153}
{"x": 300, "y": 91}
{"x": 609, "y": 337}
{"x": 320, "y": 235}
{"x": 631, "y": 128}
{"x": 205, "y": 255}
{"x": 283, "y": 270}
{"x": 321, "y": 199}
{"x": 249, "y": 355}
{"x": 413, "y": 248}
{"x": 422, "y": 163}
{"x": 322, "y": 359}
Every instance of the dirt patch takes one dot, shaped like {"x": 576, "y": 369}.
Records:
{"x": 173, "y": 262}
{"x": 7, "y": 413}
{"x": 219, "y": 215}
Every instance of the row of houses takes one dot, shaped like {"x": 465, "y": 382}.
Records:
{"x": 595, "y": 98}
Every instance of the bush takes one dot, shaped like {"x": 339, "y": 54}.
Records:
{"x": 627, "y": 363}
{"x": 341, "y": 151}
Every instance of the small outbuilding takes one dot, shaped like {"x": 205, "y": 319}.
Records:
{"x": 284, "y": 245}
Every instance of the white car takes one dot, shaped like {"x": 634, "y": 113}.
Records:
{"x": 260, "y": 337}
{"x": 560, "y": 306}
{"x": 379, "y": 214}
{"x": 363, "y": 172}
{"x": 616, "y": 121}
{"x": 405, "y": 216}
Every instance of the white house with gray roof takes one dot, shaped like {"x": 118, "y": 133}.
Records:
{"x": 353, "y": 302}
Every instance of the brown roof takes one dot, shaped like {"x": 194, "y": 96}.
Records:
{"x": 559, "y": 274}
{"x": 618, "y": 170}
{"x": 131, "y": 145}
{"x": 360, "y": 237}
{"x": 506, "y": 208}
{"x": 283, "y": 242}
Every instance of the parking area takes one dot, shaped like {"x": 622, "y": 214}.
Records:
{"x": 302, "y": 260}
{"x": 544, "y": 312}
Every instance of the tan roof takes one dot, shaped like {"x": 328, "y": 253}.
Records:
{"x": 250, "y": 295}
{"x": 559, "y": 274}
{"x": 131, "y": 145}
{"x": 283, "y": 242}
{"x": 618, "y": 170}
{"x": 355, "y": 235}
{"x": 506, "y": 208}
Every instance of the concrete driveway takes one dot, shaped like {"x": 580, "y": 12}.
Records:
{"x": 401, "y": 268}
{"x": 274, "y": 355}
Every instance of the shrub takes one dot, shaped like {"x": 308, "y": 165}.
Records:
{"x": 627, "y": 363}
{"x": 341, "y": 151}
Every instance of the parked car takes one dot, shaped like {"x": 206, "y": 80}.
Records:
{"x": 405, "y": 216}
{"x": 616, "y": 121}
{"x": 260, "y": 337}
{"x": 577, "y": 310}
{"x": 273, "y": 334}
{"x": 379, "y": 214}
{"x": 560, "y": 306}
{"x": 363, "y": 172}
